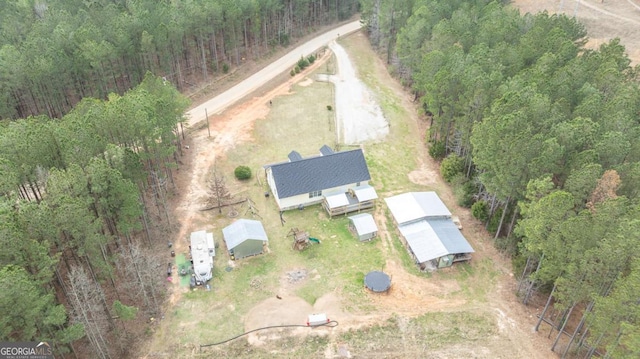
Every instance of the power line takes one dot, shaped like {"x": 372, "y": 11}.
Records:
{"x": 330, "y": 324}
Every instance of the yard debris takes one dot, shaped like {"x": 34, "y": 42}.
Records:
{"x": 297, "y": 275}
{"x": 256, "y": 283}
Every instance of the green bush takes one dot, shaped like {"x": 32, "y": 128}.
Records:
{"x": 464, "y": 190}
{"x": 437, "y": 150}
{"x": 329, "y": 107}
{"x": 480, "y": 211}
{"x": 225, "y": 68}
{"x": 242, "y": 172}
{"x": 451, "y": 167}
{"x": 297, "y": 69}
{"x": 507, "y": 245}
{"x": 311, "y": 58}
{"x": 494, "y": 221}
{"x": 292, "y": 73}
{"x": 303, "y": 63}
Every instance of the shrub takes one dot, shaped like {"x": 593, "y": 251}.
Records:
{"x": 480, "y": 211}
{"x": 297, "y": 69}
{"x": 437, "y": 150}
{"x": 284, "y": 39}
{"x": 464, "y": 190}
{"x": 451, "y": 167}
{"x": 225, "y": 68}
{"x": 292, "y": 73}
{"x": 311, "y": 58}
{"x": 242, "y": 172}
{"x": 494, "y": 221}
{"x": 303, "y": 63}
{"x": 507, "y": 245}
{"x": 329, "y": 108}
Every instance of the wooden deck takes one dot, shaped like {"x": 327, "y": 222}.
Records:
{"x": 351, "y": 207}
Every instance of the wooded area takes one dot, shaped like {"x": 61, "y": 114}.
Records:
{"x": 540, "y": 137}
{"x": 54, "y": 53}
{"x": 78, "y": 196}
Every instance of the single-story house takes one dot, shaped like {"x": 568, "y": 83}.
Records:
{"x": 202, "y": 253}
{"x": 427, "y": 229}
{"x": 244, "y": 238}
{"x": 300, "y": 181}
{"x": 363, "y": 226}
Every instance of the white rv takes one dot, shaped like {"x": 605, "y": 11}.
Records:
{"x": 202, "y": 253}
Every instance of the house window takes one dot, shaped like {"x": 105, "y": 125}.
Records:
{"x": 315, "y": 194}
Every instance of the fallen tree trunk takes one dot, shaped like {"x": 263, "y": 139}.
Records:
{"x": 223, "y": 205}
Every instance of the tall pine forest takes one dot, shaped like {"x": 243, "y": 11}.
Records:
{"x": 91, "y": 116}
{"x": 540, "y": 137}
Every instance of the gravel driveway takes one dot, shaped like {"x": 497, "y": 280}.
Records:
{"x": 358, "y": 115}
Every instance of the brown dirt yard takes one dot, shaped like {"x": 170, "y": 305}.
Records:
{"x": 466, "y": 311}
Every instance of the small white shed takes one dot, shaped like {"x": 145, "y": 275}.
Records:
{"x": 363, "y": 226}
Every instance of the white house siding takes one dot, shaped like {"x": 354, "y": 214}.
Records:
{"x": 304, "y": 200}
{"x": 272, "y": 186}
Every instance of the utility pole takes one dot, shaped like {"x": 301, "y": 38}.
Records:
{"x": 207, "y": 116}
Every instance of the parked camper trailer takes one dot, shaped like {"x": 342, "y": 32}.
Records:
{"x": 202, "y": 253}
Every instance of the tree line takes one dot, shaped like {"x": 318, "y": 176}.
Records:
{"x": 54, "y": 53}
{"x": 539, "y": 136}
{"x": 79, "y": 197}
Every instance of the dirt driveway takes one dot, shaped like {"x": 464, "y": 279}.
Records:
{"x": 358, "y": 115}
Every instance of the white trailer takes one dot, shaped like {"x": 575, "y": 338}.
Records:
{"x": 202, "y": 253}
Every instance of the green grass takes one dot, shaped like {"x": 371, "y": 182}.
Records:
{"x": 182, "y": 262}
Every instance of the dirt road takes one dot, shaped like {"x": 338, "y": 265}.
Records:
{"x": 285, "y": 63}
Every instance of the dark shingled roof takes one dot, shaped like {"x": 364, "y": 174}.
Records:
{"x": 294, "y": 156}
{"x": 320, "y": 173}
{"x": 326, "y": 150}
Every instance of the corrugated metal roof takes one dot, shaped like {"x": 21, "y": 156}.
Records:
{"x": 320, "y": 173}
{"x": 365, "y": 193}
{"x": 242, "y": 230}
{"x": 434, "y": 238}
{"x": 364, "y": 223}
{"x": 337, "y": 200}
{"x": 423, "y": 241}
{"x": 412, "y": 206}
{"x": 450, "y": 236}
